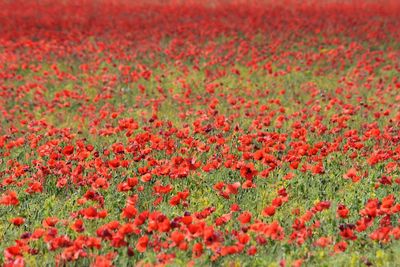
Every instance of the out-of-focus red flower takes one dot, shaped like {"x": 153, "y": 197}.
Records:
{"x": 17, "y": 221}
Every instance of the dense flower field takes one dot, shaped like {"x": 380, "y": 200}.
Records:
{"x": 199, "y": 133}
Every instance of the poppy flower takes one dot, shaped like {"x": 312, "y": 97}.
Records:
{"x": 68, "y": 150}
{"x": 177, "y": 237}
{"x": 352, "y": 174}
{"x": 89, "y": 213}
{"x": 187, "y": 219}
{"x": 197, "y": 250}
{"x": 77, "y": 226}
{"x": 34, "y": 187}
{"x": 245, "y": 217}
{"x": 129, "y": 212}
{"x": 323, "y": 242}
{"x": 342, "y": 211}
{"x": 50, "y": 221}
{"x": 269, "y": 211}
{"x": 248, "y": 171}
{"x": 340, "y": 247}
{"x": 9, "y": 198}
{"x": 17, "y": 221}
{"x": 141, "y": 244}
{"x": 103, "y": 261}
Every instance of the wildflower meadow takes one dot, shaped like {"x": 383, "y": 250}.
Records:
{"x": 199, "y": 133}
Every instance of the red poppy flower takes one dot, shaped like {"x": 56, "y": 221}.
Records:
{"x": 248, "y": 171}
{"x": 245, "y": 217}
{"x": 129, "y": 212}
{"x": 352, "y": 174}
{"x": 342, "y": 211}
{"x": 197, "y": 250}
{"x": 340, "y": 247}
{"x": 9, "y": 198}
{"x": 68, "y": 150}
{"x": 17, "y": 221}
{"x": 141, "y": 244}
{"x": 269, "y": 211}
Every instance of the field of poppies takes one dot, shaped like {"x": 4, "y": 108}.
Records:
{"x": 199, "y": 133}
